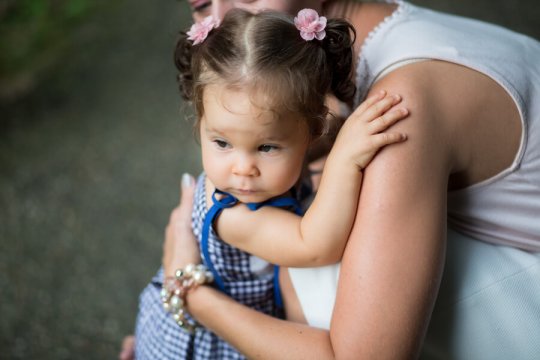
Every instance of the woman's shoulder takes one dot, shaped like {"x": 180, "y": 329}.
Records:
{"x": 422, "y": 94}
{"x": 418, "y": 82}
{"x": 457, "y": 111}
{"x": 429, "y": 127}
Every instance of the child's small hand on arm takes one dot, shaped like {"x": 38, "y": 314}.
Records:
{"x": 363, "y": 134}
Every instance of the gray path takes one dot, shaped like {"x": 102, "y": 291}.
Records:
{"x": 87, "y": 179}
{"x": 89, "y": 175}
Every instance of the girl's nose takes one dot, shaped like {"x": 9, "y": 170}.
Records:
{"x": 245, "y": 165}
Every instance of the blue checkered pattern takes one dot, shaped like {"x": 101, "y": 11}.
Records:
{"x": 159, "y": 337}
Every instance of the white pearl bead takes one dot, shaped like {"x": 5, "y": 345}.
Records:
{"x": 164, "y": 293}
{"x": 199, "y": 277}
{"x": 176, "y": 302}
{"x": 189, "y": 269}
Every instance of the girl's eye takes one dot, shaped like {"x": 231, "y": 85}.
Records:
{"x": 221, "y": 144}
{"x": 268, "y": 148}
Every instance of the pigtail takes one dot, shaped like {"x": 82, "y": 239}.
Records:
{"x": 183, "y": 54}
{"x": 340, "y": 36}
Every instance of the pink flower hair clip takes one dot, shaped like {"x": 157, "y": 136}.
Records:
{"x": 311, "y": 26}
{"x": 199, "y": 31}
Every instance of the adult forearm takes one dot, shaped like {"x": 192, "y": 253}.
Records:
{"x": 254, "y": 334}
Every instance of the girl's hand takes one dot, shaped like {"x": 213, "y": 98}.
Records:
{"x": 180, "y": 247}
{"x": 363, "y": 134}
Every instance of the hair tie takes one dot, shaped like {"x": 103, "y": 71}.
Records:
{"x": 311, "y": 26}
{"x": 199, "y": 31}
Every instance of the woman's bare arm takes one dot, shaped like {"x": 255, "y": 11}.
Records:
{"x": 394, "y": 258}
{"x": 254, "y": 334}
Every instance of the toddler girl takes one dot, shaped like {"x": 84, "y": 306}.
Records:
{"x": 258, "y": 83}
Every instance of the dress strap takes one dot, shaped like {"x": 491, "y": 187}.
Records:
{"x": 227, "y": 201}
{"x": 218, "y": 205}
{"x": 279, "y": 202}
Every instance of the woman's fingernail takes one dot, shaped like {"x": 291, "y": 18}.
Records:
{"x": 187, "y": 180}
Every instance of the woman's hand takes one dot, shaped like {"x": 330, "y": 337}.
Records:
{"x": 364, "y": 132}
{"x": 127, "y": 352}
{"x": 180, "y": 247}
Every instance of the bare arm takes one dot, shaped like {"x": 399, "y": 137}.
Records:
{"x": 394, "y": 258}
{"x": 319, "y": 237}
{"x": 180, "y": 246}
{"x": 257, "y": 335}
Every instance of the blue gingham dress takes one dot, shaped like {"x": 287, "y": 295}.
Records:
{"x": 246, "y": 278}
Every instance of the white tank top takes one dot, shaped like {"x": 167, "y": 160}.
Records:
{"x": 504, "y": 209}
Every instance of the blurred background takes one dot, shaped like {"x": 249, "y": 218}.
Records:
{"x": 93, "y": 141}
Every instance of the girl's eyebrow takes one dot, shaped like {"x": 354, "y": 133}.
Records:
{"x": 213, "y": 130}
{"x": 264, "y": 139}
{"x": 276, "y": 138}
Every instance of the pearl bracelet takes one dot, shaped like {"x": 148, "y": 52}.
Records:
{"x": 175, "y": 289}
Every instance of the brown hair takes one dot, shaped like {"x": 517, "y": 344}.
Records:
{"x": 264, "y": 54}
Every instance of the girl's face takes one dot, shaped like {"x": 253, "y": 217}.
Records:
{"x": 249, "y": 152}
{"x": 218, "y": 8}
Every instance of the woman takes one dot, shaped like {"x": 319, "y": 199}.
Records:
{"x": 474, "y": 115}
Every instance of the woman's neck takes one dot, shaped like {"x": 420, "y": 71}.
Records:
{"x": 363, "y": 16}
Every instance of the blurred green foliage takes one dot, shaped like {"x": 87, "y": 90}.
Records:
{"x": 33, "y": 36}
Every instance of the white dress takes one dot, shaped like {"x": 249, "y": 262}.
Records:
{"x": 489, "y": 301}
